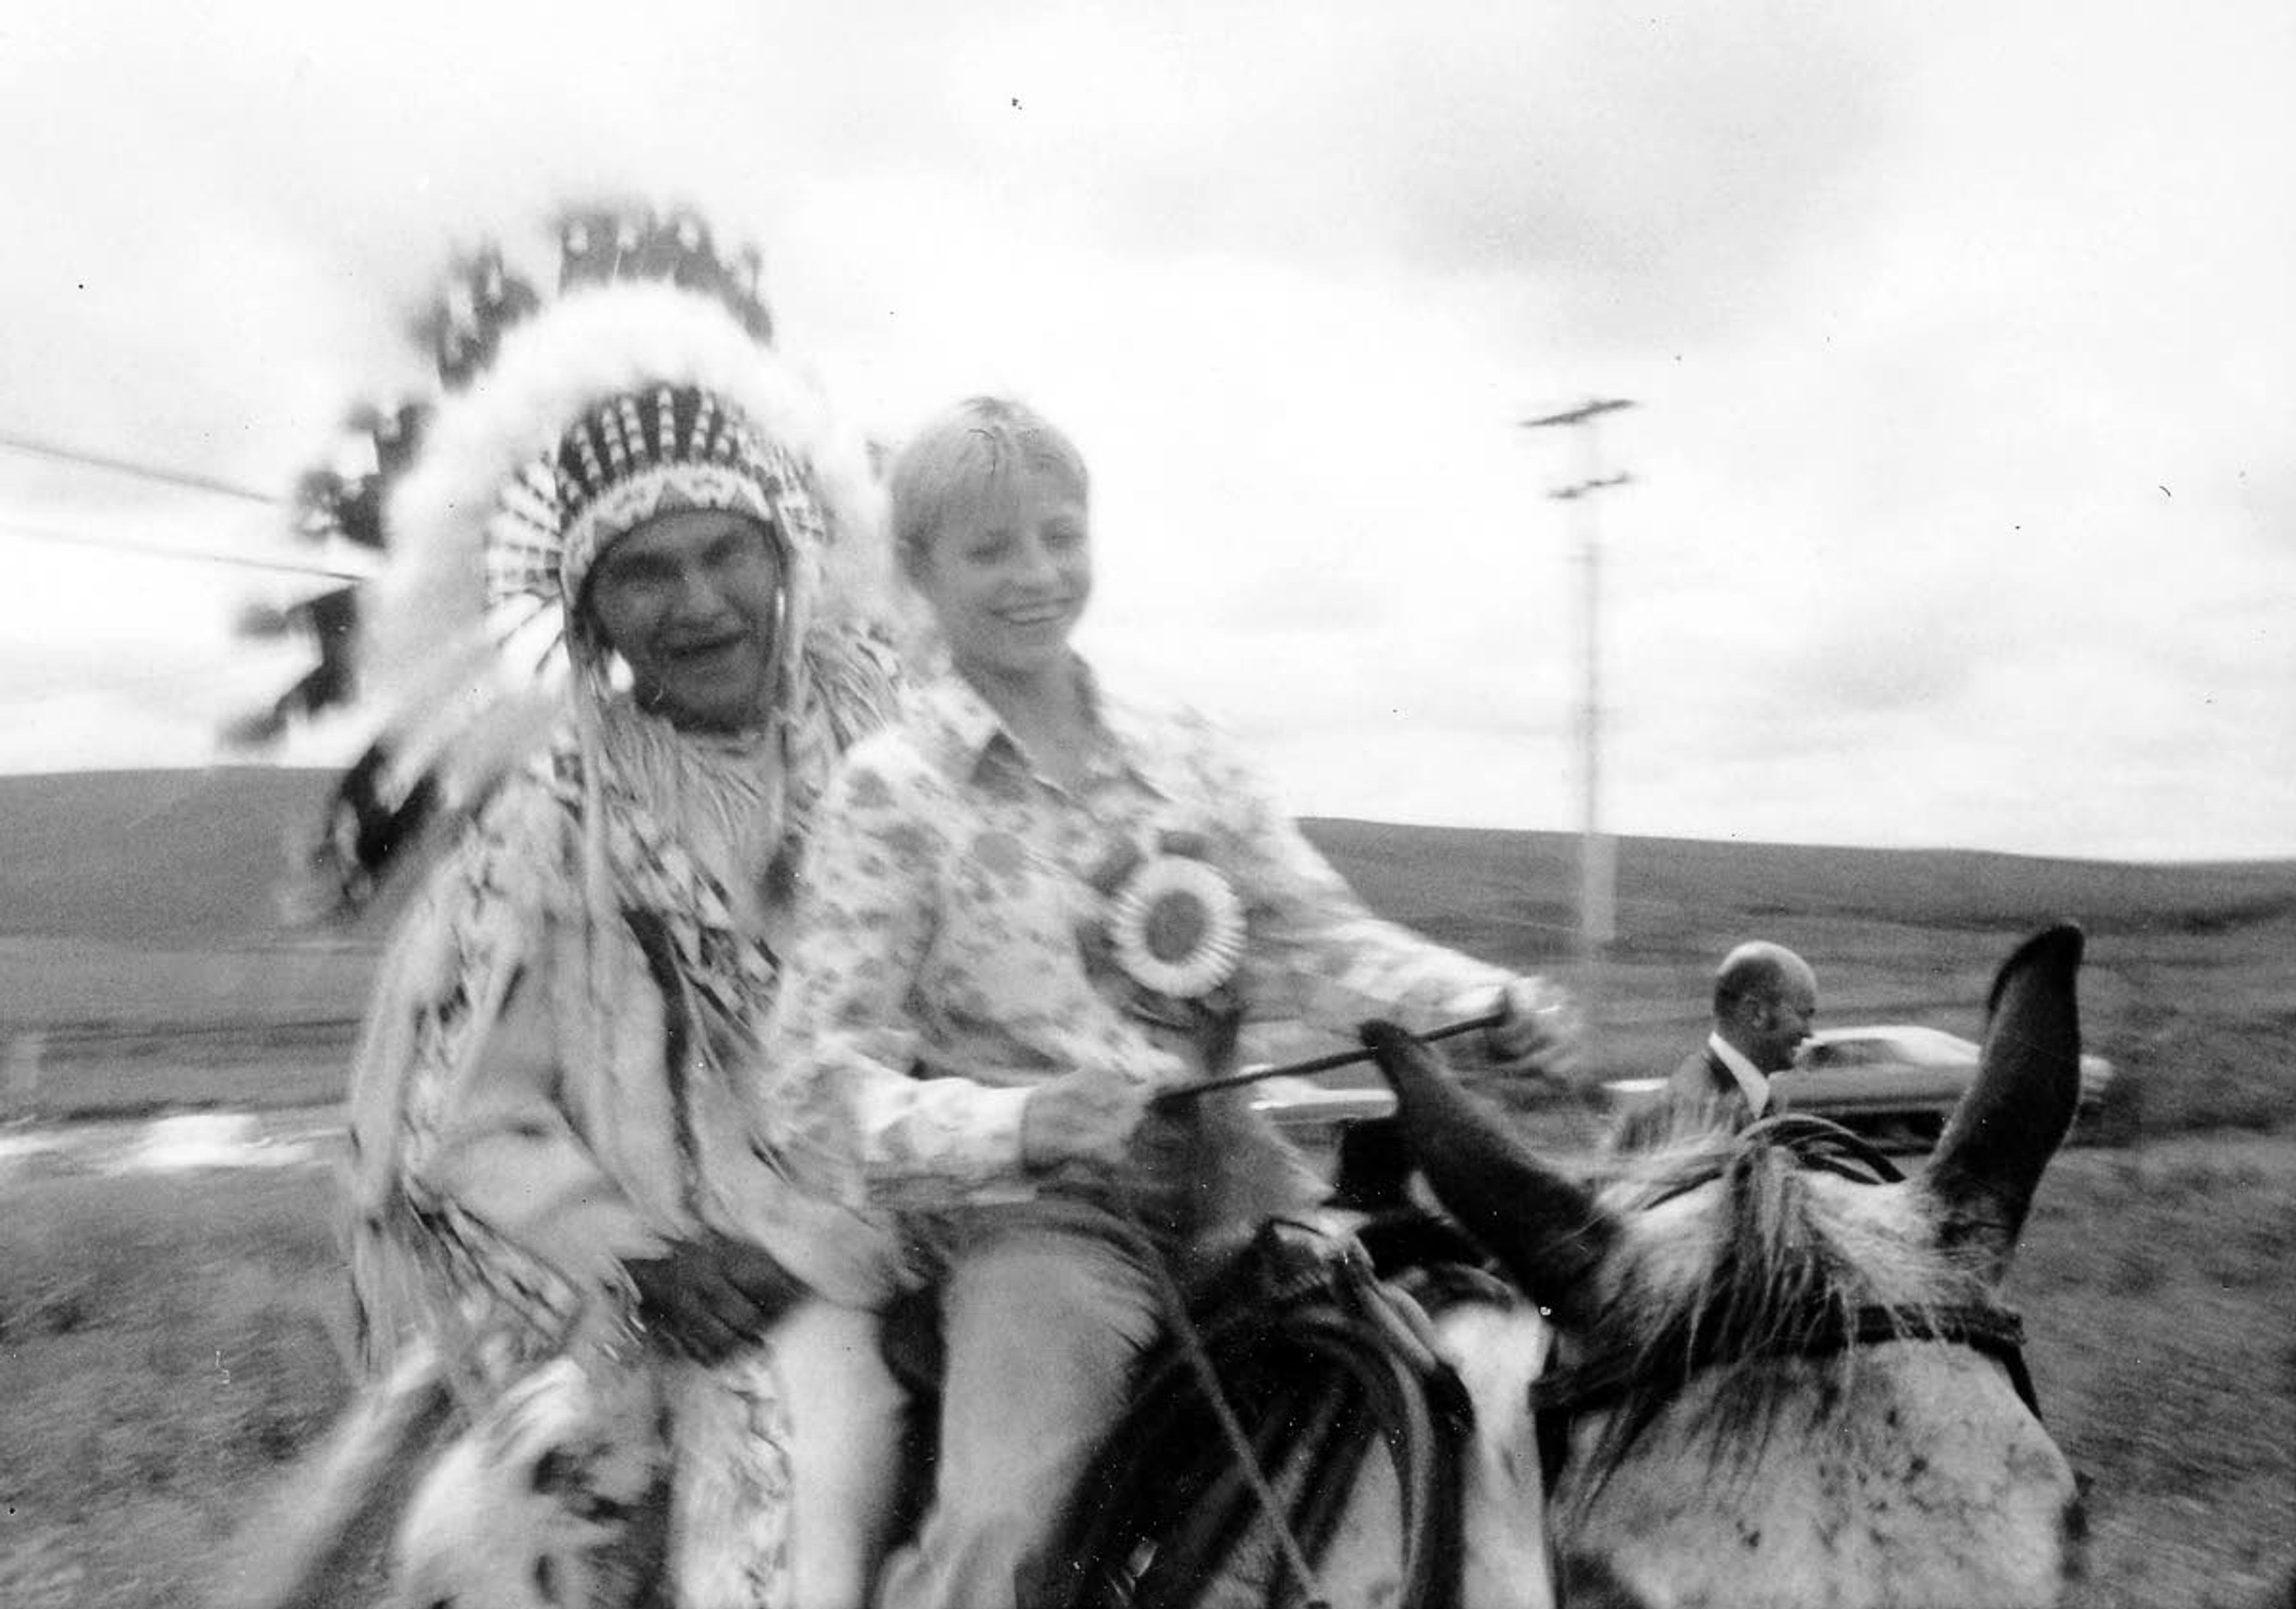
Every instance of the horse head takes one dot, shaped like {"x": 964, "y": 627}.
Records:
{"x": 1786, "y": 1370}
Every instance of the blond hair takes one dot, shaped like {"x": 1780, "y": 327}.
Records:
{"x": 964, "y": 456}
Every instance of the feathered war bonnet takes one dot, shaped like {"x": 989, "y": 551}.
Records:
{"x": 612, "y": 405}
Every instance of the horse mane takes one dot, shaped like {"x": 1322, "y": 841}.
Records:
{"x": 1740, "y": 1255}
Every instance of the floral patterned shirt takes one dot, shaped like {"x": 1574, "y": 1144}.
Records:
{"x": 943, "y": 970}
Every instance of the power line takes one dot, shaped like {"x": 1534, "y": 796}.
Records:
{"x": 188, "y": 479}
{"x": 209, "y": 672}
{"x": 1580, "y": 415}
{"x": 163, "y": 550}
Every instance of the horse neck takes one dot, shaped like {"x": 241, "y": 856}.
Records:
{"x": 1906, "y": 1474}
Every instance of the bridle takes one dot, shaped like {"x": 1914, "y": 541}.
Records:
{"x": 1560, "y": 1396}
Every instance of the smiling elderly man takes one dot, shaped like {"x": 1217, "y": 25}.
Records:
{"x": 554, "y": 1181}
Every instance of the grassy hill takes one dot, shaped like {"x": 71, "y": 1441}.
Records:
{"x": 1481, "y": 884}
{"x": 154, "y": 858}
{"x": 138, "y": 927}
{"x": 174, "y": 859}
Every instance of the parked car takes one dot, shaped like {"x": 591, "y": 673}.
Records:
{"x": 1313, "y": 1114}
{"x": 1900, "y": 1079}
{"x": 1556, "y": 1117}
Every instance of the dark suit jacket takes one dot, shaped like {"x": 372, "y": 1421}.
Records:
{"x": 1700, "y": 1094}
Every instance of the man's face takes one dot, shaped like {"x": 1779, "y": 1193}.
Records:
{"x": 693, "y": 602}
{"x": 1776, "y": 1026}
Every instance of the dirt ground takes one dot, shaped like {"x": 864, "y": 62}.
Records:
{"x": 167, "y": 1341}
{"x": 2159, "y": 1292}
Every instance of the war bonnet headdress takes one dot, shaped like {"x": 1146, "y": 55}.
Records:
{"x": 648, "y": 382}
{"x": 612, "y": 405}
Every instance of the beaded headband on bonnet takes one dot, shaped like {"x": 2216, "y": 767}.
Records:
{"x": 501, "y": 521}
{"x": 631, "y": 458}
{"x": 645, "y": 454}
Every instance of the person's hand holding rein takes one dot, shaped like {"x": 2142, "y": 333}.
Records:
{"x": 1538, "y": 1034}
{"x": 1085, "y": 1116}
{"x": 709, "y": 1297}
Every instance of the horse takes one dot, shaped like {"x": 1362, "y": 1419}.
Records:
{"x": 1750, "y": 1369}
{"x": 1787, "y": 1375}
{"x": 1760, "y": 1368}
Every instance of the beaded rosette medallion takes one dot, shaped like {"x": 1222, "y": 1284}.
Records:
{"x": 1171, "y": 932}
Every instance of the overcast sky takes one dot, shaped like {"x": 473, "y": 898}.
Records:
{"x": 1963, "y": 507}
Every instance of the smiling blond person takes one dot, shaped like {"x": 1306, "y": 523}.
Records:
{"x": 1034, "y": 904}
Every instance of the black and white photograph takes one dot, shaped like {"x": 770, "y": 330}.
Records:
{"x": 871, "y": 806}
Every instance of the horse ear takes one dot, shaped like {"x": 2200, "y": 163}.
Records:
{"x": 1544, "y": 1227}
{"x": 2017, "y": 1112}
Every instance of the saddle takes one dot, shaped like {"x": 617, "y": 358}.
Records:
{"x": 1305, "y": 1348}
{"x": 1318, "y": 1365}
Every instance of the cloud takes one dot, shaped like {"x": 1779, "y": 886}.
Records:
{"x": 1624, "y": 156}
{"x": 1959, "y": 509}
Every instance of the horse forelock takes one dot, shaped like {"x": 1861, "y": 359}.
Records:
{"x": 1733, "y": 1254}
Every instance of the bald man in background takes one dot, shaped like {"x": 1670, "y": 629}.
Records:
{"x": 1765, "y": 1001}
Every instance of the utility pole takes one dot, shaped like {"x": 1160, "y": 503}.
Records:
{"x": 1597, "y": 858}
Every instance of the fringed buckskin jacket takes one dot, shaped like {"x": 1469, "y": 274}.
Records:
{"x": 557, "y": 1075}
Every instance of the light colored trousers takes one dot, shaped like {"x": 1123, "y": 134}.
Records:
{"x": 1044, "y": 1315}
